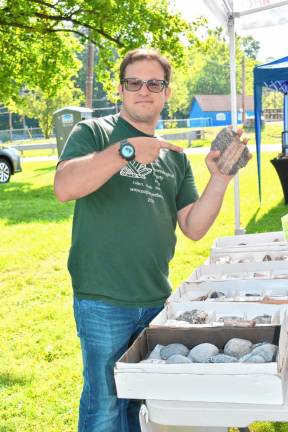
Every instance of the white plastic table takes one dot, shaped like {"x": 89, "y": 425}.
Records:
{"x": 168, "y": 416}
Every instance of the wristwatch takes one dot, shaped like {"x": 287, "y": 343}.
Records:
{"x": 127, "y": 150}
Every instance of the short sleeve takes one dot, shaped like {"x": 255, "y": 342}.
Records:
{"x": 81, "y": 141}
{"x": 187, "y": 193}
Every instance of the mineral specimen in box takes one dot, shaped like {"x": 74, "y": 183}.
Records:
{"x": 194, "y": 316}
{"x": 252, "y": 358}
{"x": 223, "y": 358}
{"x": 155, "y": 353}
{"x": 267, "y": 258}
{"x": 217, "y": 294}
{"x": 237, "y": 347}
{"x": 234, "y": 154}
{"x": 266, "y": 350}
{"x": 203, "y": 352}
{"x": 178, "y": 358}
{"x": 263, "y": 319}
{"x": 172, "y": 349}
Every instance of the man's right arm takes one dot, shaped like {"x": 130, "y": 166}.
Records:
{"x": 81, "y": 176}
{"x": 78, "y": 177}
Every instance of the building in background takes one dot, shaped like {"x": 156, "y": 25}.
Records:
{"x": 215, "y": 110}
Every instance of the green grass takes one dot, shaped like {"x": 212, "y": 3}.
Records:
{"x": 40, "y": 362}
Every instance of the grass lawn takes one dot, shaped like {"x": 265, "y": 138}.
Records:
{"x": 40, "y": 362}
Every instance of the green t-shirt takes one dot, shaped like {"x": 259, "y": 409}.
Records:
{"x": 123, "y": 234}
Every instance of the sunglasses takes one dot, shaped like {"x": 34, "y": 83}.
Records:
{"x": 135, "y": 84}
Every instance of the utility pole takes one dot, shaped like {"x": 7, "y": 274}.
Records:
{"x": 243, "y": 91}
{"x": 10, "y": 120}
{"x": 89, "y": 76}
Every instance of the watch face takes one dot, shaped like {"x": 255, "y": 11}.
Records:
{"x": 127, "y": 151}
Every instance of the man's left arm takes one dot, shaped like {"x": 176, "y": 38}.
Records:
{"x": 196, "y": 219}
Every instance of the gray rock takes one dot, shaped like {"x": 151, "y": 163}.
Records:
{"x": 263, "y": 319}
{"x": 178, "y": 358}
{"x": 250, "y": 358}
{"x": 237, "y": 347}
{"x": 223, "y": 358}
{"x": 194, "y": 316}
{"x": 234, "y": 154}
{"x": 155, "y": 353}
{"x": 217, "y": 294}
{"x": 267, "y": 351}
{"x": 203, "y": 352}
{"x": 172, "y": 349}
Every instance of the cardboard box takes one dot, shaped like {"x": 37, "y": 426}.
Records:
{"x": 234, "y": 290}
{"x": 246, "y": 240}
{"x": 219, "y": 256}
{"x": 252, "y": 270}
{"x": 230, "y": 382}
{"x": 246, "y": 311}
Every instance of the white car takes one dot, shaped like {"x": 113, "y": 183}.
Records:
{"x": 10, "y": 163}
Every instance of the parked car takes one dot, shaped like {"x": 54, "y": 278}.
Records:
{"x": 10, "y": 163}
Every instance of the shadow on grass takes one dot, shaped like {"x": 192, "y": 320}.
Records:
{"x": 271, "y": 221}
{"x": 10, "y": 380}
{"x": 44, "y": 170}
{"x": 21, "y": 203}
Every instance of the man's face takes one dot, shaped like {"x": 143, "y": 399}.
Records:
{"x": 144, "y": 105}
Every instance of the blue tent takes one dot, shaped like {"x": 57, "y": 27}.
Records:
{"x": 273, "y": 75}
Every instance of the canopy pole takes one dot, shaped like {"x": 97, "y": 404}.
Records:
{"x": 233, "y": 91}
{"x": 285, "y": 118}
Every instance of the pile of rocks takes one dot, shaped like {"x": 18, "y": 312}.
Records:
{"x": 235, "y": 350}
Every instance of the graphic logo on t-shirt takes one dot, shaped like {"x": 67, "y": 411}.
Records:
{"x": 135, "y": 170}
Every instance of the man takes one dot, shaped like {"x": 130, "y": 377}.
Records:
{"x": 130, "y": 188}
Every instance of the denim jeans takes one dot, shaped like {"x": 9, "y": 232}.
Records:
{"x": 105, "y": 333}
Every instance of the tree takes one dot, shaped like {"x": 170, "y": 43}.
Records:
{"x": 41, "y": 106}
{"x": 207, "y": 70}
{"x": 113, "y": 26}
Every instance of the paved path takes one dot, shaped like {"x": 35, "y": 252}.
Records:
{"x": 195, "y": 150}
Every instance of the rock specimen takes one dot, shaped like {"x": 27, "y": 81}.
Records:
{"x": 267, "y": 258}
{"x": 203, "y": 352}
{"x": 217, "y": 294}
{"x": 237, "y": 347}
{"x": 223, "y": 358}
{"x": 178, "y": 358}
{"x": 263, "y": 319}
{"x": 155, "y": 353}
{"x": 234, "y": 154}
{"x": 266, "y": 350}
{"x": 252, "y": 358}
{"x": 194, "y": 316}
{"x": 172, "y": 349}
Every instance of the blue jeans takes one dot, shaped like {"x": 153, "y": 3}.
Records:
{"x": 105, "y": 333}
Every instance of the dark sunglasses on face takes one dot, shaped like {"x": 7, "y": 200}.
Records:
{"x": 135, "y": 84}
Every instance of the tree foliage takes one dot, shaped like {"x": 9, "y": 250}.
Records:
{"x": 207, "y": 69}
{"x": 113, "y": 26}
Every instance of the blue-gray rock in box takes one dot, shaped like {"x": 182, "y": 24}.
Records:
{"x": 155, "y": 353}
{"x": 172, "y": 349}
{"x": 203, "y": 352}
{"x": 178, "y": 358}
{"x": 250, "y": 358}
{"x": 237, "y": 347}
{"x": 267, "y": 351}
{"x": 223, "y": 358}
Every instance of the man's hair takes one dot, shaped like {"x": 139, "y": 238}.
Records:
{"x": 145, "y": 54}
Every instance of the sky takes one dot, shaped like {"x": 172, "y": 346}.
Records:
{"x": 273, "y": 40}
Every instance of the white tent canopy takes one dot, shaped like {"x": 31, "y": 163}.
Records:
{"x": 244, "y": 14}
